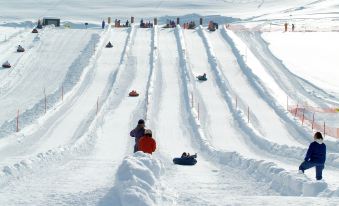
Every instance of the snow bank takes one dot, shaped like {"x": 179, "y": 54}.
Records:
{"x": 152, "y": 75}
{"x": 310, "y": 55}
{"x": 138, "y": 179}
{"x": 278, "y": 178}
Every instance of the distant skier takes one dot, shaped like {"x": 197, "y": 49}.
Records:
{"x": 103, "y": 24}
{"x": 146, "y": 143}
{"x": 138, "y": 132}
{"x": 315, "y": 156}
{"x": 286, "y": 26}
{"x": 293, "y": 27}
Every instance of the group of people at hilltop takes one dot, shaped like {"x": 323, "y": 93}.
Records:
{"x": 315, "y": 156}
{"x": 145, "y": 24}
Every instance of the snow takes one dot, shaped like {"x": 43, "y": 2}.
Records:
{"x": 138, "y": 178}
{"x": 77, "y": 151}
{"x": 314, "y": 56}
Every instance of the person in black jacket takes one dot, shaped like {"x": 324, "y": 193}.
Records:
{"x": 315, "y": 156}
{"x": 137, "y": 133}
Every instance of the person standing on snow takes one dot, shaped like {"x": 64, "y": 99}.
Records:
{"x": 315, "y": 156}
{"x": 138, "y": 132}
{"x": 146, "y": 143}
{"x": 103, "y": 24}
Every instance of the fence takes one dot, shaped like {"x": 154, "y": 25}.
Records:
{"x": 277, "y": 27}
{"x": 309, "y": 116}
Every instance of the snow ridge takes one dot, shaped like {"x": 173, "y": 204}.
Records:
{"x": 138, "y": 179}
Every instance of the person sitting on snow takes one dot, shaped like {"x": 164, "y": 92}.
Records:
{"x": 138, "y": 132}
{"x": 146, "y": 143}
{"x": 315, "y": 156}
{"x": 187, "y": 155}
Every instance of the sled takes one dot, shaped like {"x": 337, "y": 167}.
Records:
{"x": 20, "y": 49}
{"x": 202, "y": 78}
{"x": 185, "y": 161}
{"x": 6, "y": 66}
{"x": 35, "y": 31}
{"x": 133, "y": 94}
{"x": 109, "y": 45}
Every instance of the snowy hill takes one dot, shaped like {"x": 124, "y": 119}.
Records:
{"x": 66, "y": 111}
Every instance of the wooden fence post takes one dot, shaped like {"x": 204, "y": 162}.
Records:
{"x": 97, "y": 106}
{"x": 17, "y": 121}
{"x": 313, "y": 122}
{"x": 248, "y": 114}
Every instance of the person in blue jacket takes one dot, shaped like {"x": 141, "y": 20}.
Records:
{"x": 137, "y": 133}
{"x": 315, "y": 156}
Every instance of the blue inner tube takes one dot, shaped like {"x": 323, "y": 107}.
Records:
{"x": 185, "y": 161}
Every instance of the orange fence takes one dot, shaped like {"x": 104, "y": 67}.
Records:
{"x": 281, "y": 28}
{"x": 316, "y": 125}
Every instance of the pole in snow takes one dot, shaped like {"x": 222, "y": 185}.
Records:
{"x": 313, "y": 122}
{"x": 248, "y": 114}
{"x": 17, "y": 121}
{"x": 302, "y": 121}
{"x": 296, "y": 110}
{"x": 97, "y": 106}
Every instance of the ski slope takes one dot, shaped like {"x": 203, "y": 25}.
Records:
{"x": 75, "y": 149}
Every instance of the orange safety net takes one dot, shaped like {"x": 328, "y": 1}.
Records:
{"x": 320, "y": 126}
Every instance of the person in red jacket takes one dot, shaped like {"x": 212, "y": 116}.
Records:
{"x": 147, "y": 144}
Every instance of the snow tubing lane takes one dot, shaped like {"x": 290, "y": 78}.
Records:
{"x": 184, "y": 161}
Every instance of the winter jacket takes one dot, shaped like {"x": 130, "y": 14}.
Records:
{"x": 138, "y": 132}
{"x": 147, "y": 144}
{"x": 316, "y": 152}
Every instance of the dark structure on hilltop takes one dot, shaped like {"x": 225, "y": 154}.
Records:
{"x": 50, "y": 21}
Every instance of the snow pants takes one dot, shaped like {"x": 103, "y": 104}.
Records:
{"x": 318, "y": 168}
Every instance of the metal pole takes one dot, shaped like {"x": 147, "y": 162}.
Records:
{"x": 17, "y": 121}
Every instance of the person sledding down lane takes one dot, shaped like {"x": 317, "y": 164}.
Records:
{"x": 35, "y": 31}
{"x": 202, "y": 77}
{"x": 6, "y": 65}
{"x": 20, "y": 49}
{"x": 109, "y": 45}
{"x": 315, "y": 156}
{"x": 133, "y": 93}
{"x": 186, "y": 159}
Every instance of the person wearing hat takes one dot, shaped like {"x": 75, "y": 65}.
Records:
{"x": 146, "y": 143}
{"x": 138, "y": 132}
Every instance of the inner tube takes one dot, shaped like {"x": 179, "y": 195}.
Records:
{"x": 184, "y": 161}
